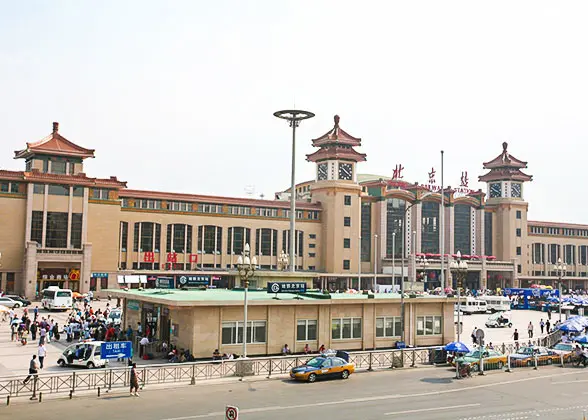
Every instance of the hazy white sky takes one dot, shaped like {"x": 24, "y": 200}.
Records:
{"x": 179, "y": 95}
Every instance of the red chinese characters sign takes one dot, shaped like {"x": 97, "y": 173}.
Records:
{"x": 193, "y": 258}
{"x": 149, "y": 257}
{"x": 172, "y": 257}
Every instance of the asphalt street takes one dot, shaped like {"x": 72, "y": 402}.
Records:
{"x": 423, "y": 393}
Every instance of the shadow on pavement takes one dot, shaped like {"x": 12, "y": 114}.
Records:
{"x": 437, "y": 380}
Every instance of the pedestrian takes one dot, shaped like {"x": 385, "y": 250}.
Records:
{"x": 542, "y": 325}
{"x": 42, "y": 334}
{"x": 41, "y": 352}
{"x": 36, "y": 312}
{"x": 474, "y": 339}
{"x": 530, "y": 329}
{"x": 549, "y": 314}
{"x": 134, "y": 381}
{"x": 33, "y": 369}
{"x": 515, "y": 335}
{"x": 547, "y": 326}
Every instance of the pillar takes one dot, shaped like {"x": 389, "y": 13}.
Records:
{"x": 418, "y": 218}
{"x": 86, "y": 268}
{"x": 29, "y": 215}
{"x": 85, "y": 217}
{"x": 29, "y": 275}
{"x": 69, "y": 213}
{"x": 45, "y": 203}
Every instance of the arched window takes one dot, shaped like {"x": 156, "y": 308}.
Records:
{"x": 462, "y": 228}
{"x": 147, "y": 237}
{"x": 238, "y": 237}
{"x": 430, "y": 227}
{"x": 210, "y": 239}
{"x": 179, "y": 238}
{"x": 266, "y": 242}
{"x": 394, "y": 220}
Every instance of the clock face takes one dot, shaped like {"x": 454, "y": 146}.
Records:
{"x": 495, "y": 190}
{"x": 322, "y": 171}
{"x": 515, "y": 190}
{"x": 345, "y": 171}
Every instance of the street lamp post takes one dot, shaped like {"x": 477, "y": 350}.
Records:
{"x": 246, "y": 268}
{"x": 460, "y": 269}
{"x": 375, "y": 262}
{"x": 560, "y": 268}
{"x": 424, "y": 264}
{"x": 283, "y": 261}
{"x": 293, "y": 116}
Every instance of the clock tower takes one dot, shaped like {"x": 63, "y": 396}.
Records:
{"x": 508, "y": 208}
{"x": 337, "y": 190}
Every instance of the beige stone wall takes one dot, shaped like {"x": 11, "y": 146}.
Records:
{"x": 103, "y": 233}
{"x": 12, "y": 245}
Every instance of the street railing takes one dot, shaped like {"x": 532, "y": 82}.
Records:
{"x": 106, "y": 379}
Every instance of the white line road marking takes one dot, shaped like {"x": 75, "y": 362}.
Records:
{"x": 421, "y": 410}
{"x": 569, "y": 382}
{"x": 374, "y": 398}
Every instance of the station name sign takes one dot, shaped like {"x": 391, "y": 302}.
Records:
{"x": 286, "y": 287}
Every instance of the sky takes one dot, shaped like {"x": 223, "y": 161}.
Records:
{"x": 179, "y": 95}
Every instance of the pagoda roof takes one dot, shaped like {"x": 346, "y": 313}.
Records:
{"x": 336, "y": 152}
{"x": 78, "y": 179}
{"x": 505, "y": 160}
{"x": 512, "y": 174}
{"x": 336, "y": 135}
{"x": 54, "y": 145}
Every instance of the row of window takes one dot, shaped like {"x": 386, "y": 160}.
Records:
{"x": 57, "y": 189}
{"x": 341, "y": 329}
{"x": 541, "y": 230}
{"x": 213, "y": 208}
{"x": 8, "y": 187}
{"x": 58, "y": 165}
{"x": 147, "y": 238}
{"x": 554, "y": 252}
{"x": 56, "y": 233}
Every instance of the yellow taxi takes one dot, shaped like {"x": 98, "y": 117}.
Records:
{"x": 323, "y": 367}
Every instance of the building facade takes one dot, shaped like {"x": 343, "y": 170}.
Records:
{"x": 60, "y": 226}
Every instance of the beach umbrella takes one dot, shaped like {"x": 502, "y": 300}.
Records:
{"x": 571, "y": 327}
{"x": 457, "y": 346}
{"x": 581, "y": 339}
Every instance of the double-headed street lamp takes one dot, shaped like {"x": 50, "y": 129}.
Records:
{"x": 246, "y": 268}
{"x": 293, "y": 116}
{"x": 560, "y": 268}
{"x": 424, "y": 264}
{"x": 459, "y": 268}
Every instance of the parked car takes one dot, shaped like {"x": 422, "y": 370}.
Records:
{"x": 83, "y": 355}
{"x": 323, "y": 367}
{"x": 526, "y": 356}
{"x": 10, "y": 303}
{"x": 493, "y": 359}
{"x": 24, "y": 301}
{"x": 565, "y": 349}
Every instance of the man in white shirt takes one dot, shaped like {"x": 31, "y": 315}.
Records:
{"x": 144, "y": 341}
{"x": 41, "y": 352}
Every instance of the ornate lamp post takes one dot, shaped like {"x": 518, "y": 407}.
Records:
{"x": 424, "y": 264}
{"x": 459, "y": 268}
{"x": 560, "y": 269}
{"x": 246, "y": 268}
{"x": 293, "y": 116}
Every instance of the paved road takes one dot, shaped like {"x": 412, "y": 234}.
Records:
{"x": 423, "y": 393}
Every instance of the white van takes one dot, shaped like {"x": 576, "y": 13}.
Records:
{"x": 82, "y": 354}
{"x": 473, "y": 306}
{"x": 497, "y": 303}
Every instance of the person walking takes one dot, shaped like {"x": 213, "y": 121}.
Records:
{"x": 541, "y": 325}
{"x": 33, "y": 370}
{"x": 474, "y": 338}
{"x": 547, "y": 326}
{"x": 134, "y": 381}
{"x": 530, "y": 329}
{"x": 41, "y": 352}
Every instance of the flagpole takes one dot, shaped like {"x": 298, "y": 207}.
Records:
{"x": 442, "y": 227}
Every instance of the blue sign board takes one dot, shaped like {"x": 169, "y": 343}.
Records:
{"x": 192, "y": 281}
{"x": 164, "y": 282}
{"x": 99, "y": 275}
{"x": 286, "y": 287}
{"x": 116, "y": 350}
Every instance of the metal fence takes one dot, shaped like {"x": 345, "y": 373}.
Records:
{"x": 189, "y": 373}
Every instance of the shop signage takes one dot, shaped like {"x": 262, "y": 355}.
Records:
{"x": 172, "y": 257}
{"x": 149, "y": 257}
{"x": 164, "y": 283}
{"x": 189, "y": 281}
{"x": 116, "y": 350}
{"x": 193, "y": 258}
{"x": 286, "y": 287}
{"x": 133, "y": 305}
{"x": 100, "y": 275}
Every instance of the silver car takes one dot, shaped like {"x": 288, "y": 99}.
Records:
{"x": 9, "y": 303}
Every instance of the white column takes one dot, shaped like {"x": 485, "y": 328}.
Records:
{"x": 69, "y": 216}
{"x": 29, "y": 215}
{"x": 85, "y": 217}
{"x": 45, "y": 203}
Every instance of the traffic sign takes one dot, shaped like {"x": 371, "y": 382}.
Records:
{"x": 480, "y": 334}
{"x": 232, "y": 413}
{"x": 116, "y": 350}
{"x": 286, "y": 287}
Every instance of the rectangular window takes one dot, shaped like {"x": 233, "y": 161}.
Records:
{"x": 347, "y": 200}
{"x": 10, "y": 282}
{"x": 518, "y": 232}
{"x": 58, "y": 167}
{"x": 76, "y": 230}
{"x": 346, "y": 328}
{"x": 388, "y": 326}
{"x": 347, "y": 221}
{"x": 232, "y": 332}
{"x": 124, "y": 236}
{"x": 519, "y": 214}
{"x": 519, "y": 250}
{"x": 37, "y": 227}
{"x": 311, "y": 268}
{"x": 58, "y": 190}
{"x": 346, "y": 243}
{"x": 312, "y": 236}
{"x": 488, "y": 233}
{"x": 306, "y": 330}
{"x": 312, "y": 254}
{"x": 346, "y": 265}
{"x": 366, "y": 229}
{"x": 519, "y": 269}
{"x": 56, "y": 230}
{"x": 312, "y": 245}
{"x": 78, "y": 191}
{"x": 429, "y": 325}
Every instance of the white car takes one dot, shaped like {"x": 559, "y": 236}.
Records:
{"x": 563, "y": 348}
{"x": 10, "y": 303}
{"x": 83, "y": 355}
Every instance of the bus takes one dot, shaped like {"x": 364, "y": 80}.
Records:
{"x": 56, "y": 298}
{"x": 496, "y": 303}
